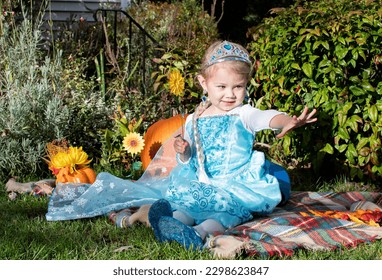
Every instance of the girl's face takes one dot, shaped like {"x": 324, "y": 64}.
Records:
{"x": 226, "y": 88}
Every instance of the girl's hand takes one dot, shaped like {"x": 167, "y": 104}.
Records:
{"x": 295, "y": 121}
{"x": 182, "y": 147}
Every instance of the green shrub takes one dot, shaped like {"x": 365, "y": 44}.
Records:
{"x": 41, "y": 100}
{"x": 31, "y": 113}
{"x": 326, "y": 55}
{"x": 90, "y": 110}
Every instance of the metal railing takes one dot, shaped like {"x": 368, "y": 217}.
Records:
{"x": 140, "y": 42}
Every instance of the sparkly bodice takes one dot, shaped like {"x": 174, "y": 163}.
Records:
{"x": 226, "y": 143}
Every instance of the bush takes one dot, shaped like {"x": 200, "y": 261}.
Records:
{"x": 327, "y": 55}
{"x": 40, "y": 102}
{"x": 31, "y": 113}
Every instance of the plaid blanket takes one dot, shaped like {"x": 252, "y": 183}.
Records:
{"x": 286, "y": 229}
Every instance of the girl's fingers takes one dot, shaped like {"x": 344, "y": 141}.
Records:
{"x": 312, "y": 113}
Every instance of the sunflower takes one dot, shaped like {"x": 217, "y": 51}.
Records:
{"x": 133, "y": 143}
{"x": 176, "y": 82}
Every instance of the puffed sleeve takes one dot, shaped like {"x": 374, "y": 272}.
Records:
{"x": 255, "y": 119}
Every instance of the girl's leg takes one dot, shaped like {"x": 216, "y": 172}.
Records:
{"x": 209, "y": 226}
{"x": 184, "y": 218}
{"x": 168, "y": 228}
{"x": 127, "y": 217}
{"x": 121, "y": 218}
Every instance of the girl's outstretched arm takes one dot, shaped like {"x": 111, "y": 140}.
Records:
{"x": 286, "y": 123}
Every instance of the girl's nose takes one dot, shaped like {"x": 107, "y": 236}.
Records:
{"x": 230, "y": 92}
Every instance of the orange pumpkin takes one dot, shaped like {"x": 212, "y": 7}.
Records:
{"x": 82, "y": 175}
{"x": 158, "y": 133}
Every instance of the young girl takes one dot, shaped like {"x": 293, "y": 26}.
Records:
{"x": 219, "y": 181}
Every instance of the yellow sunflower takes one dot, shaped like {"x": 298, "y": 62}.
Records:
{"x": 133, "y": 143}
{"x": 176, "y": 82}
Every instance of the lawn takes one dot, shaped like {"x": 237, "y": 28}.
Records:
{"x": 26, "y": 235}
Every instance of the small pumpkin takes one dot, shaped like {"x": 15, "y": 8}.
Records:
{"x": 82, "y": 175}
{"x": 157, "y": 134}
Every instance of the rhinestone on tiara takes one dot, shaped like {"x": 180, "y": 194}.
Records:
{"x": 228, "y": 51}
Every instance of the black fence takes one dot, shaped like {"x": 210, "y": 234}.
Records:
{"x": 141, "y": 47}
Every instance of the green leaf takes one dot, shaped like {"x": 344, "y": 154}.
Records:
{"x": 352, "y": 151}
{"x": 356, "y": 90}
{"x": 327, "y": 149}
{"x": 281, "y": 81}
{"x": 354, "y": 52}
{"x": 307, "y": 69}
{"x": 352, "y": 123}
{"x": 324, "y": 63}
{"x": 362, "y": 142}
{"x": 354, "y": 79}
{"x": 123, "y": 129}
{"x": 313, "y": 58}
{"x": 343, "y": 133}
{"x": 295, "y": 66}
{"x": 350, "y": 154}
{"x": 353, "y": 63}
{"x": 361, "y": 41}
{"x": 166, "y": 56}
{"x": 367, "y": 86}
{"x": 179, "y": 65}
{"x": 347, "y": 107}
{"x": 341, "y": 118}
{"x": 108, "y": 136}
{"x": 341, "y": 148}
{"x": 362, "y": 54}
{"x": 316, "y": 45}
{"x": 332, "y": 76}
{"x": 342, "y": 40}
{"x": 377, "y": 169}
{"x": 373, "y": 113}
{"x": 326, "y": 45}
{"x": 341, "y": 52}
{"x": 286, "y": 144}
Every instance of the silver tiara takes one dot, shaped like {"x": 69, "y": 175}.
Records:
{"x": 226, "y": 51}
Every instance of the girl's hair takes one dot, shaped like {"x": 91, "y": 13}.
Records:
{"x": 237, "y": 57}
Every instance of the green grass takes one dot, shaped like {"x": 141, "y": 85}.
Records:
{"x": 26, "y": 235}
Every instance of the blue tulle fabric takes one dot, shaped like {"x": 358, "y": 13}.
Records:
{"x": 240, "y": 184}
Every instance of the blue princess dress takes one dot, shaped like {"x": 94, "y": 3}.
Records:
{"x": 234, "y": 182}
